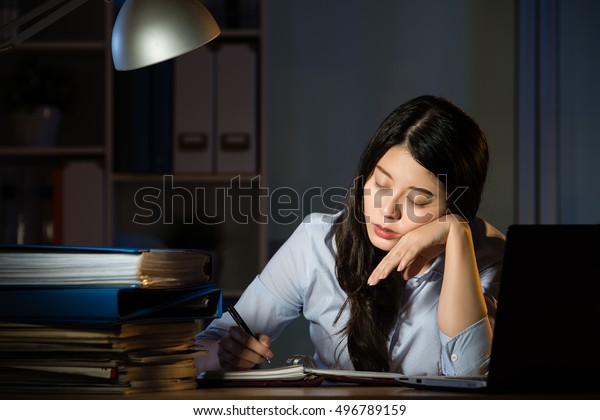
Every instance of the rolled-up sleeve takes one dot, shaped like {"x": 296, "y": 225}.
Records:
{"x": 467, "y": 353}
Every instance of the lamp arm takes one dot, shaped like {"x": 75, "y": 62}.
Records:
{"x": 65, "y": 8}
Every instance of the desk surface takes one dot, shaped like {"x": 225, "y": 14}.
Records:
{"x": 340, "y": 392}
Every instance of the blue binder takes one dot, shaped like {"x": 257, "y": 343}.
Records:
{"x": 200, "y": 269}
{"x": 107, "y": 305}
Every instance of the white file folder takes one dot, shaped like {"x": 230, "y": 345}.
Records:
{"x": 236, "y": 108}
{"x": 193, "y": 120}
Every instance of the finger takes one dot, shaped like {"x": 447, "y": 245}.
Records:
{"x": 382, "y": 270}
{"x": 379, "y": 274}
{"x": 260, "y": 348}
{"x": 231, "y": 357}
{"x": 265, "y": 340}
{"x": 393, "y": 260}
{"x": 233, "y": 351}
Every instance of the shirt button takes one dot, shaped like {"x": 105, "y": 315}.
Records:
{"x": 454, "y": 357}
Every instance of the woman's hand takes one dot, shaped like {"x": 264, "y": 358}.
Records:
{"x": 461, "y": 298}
{"x": 415, "y": 249}
{"x": 238, "y": 350}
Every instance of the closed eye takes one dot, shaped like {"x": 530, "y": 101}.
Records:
{"x": 378, "y": 186}
{"x": 420, "y": 205}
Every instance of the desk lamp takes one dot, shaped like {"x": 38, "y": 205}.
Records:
{"x": 146, "y": 32}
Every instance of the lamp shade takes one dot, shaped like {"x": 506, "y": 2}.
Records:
{"x": 147, "y": 32}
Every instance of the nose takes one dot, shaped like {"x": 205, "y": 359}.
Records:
{"x": 391, "y": 209}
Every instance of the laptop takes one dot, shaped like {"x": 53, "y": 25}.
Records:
{"x": 548, "y": 316}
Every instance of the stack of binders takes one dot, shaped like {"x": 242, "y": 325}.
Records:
{"x": 102, "y": 320}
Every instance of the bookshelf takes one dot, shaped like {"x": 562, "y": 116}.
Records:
{"x": 114, "y": 159}
{"x": 111, "y": 159}
{"x": 67, "y": 65}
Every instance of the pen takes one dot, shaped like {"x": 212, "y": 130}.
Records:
{"x": 238, "y": 319}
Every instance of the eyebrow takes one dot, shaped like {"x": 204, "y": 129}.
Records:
{"x": 425, "y": 191}
{"x": 386, "y": 173}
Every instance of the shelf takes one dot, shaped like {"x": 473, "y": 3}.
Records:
{"x": 61, "y": 46}
{"x": 54, "y": 152}
{"x": 189, "y": 177}
{"x": 35, "y": 154}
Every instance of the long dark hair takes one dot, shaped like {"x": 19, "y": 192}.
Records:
{"x": 448, "y": 143}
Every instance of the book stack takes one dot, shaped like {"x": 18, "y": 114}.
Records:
{"x": 102, "y": 321}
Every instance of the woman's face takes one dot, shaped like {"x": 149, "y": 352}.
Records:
{"x": 400, "y": 195}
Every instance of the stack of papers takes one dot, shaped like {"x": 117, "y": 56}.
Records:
{"x": 102, "y": 320}
{"x": 123, "y": 359}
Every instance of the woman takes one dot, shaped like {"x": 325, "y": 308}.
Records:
{"x": 404, "y": 278}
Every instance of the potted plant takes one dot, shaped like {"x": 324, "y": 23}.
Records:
{"x": 34, "y": 96}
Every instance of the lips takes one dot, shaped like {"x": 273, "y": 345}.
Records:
{"x": 384, "y": 233}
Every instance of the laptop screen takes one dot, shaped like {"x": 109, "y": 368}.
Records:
{"x": 548, "y": 315}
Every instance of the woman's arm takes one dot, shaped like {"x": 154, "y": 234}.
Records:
{"x": 461, "y": 300}
{"x": 268, "y": 304}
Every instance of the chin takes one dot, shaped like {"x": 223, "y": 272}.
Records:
{"x": 383, "y": 247}
{"x": 383, "y": 244}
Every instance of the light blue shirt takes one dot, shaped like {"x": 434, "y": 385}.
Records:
{"x": 300, "y": 279}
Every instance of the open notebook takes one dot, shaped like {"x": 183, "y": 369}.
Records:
{"x": 548, "y": 314}
{"x": 300, "y": 371}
